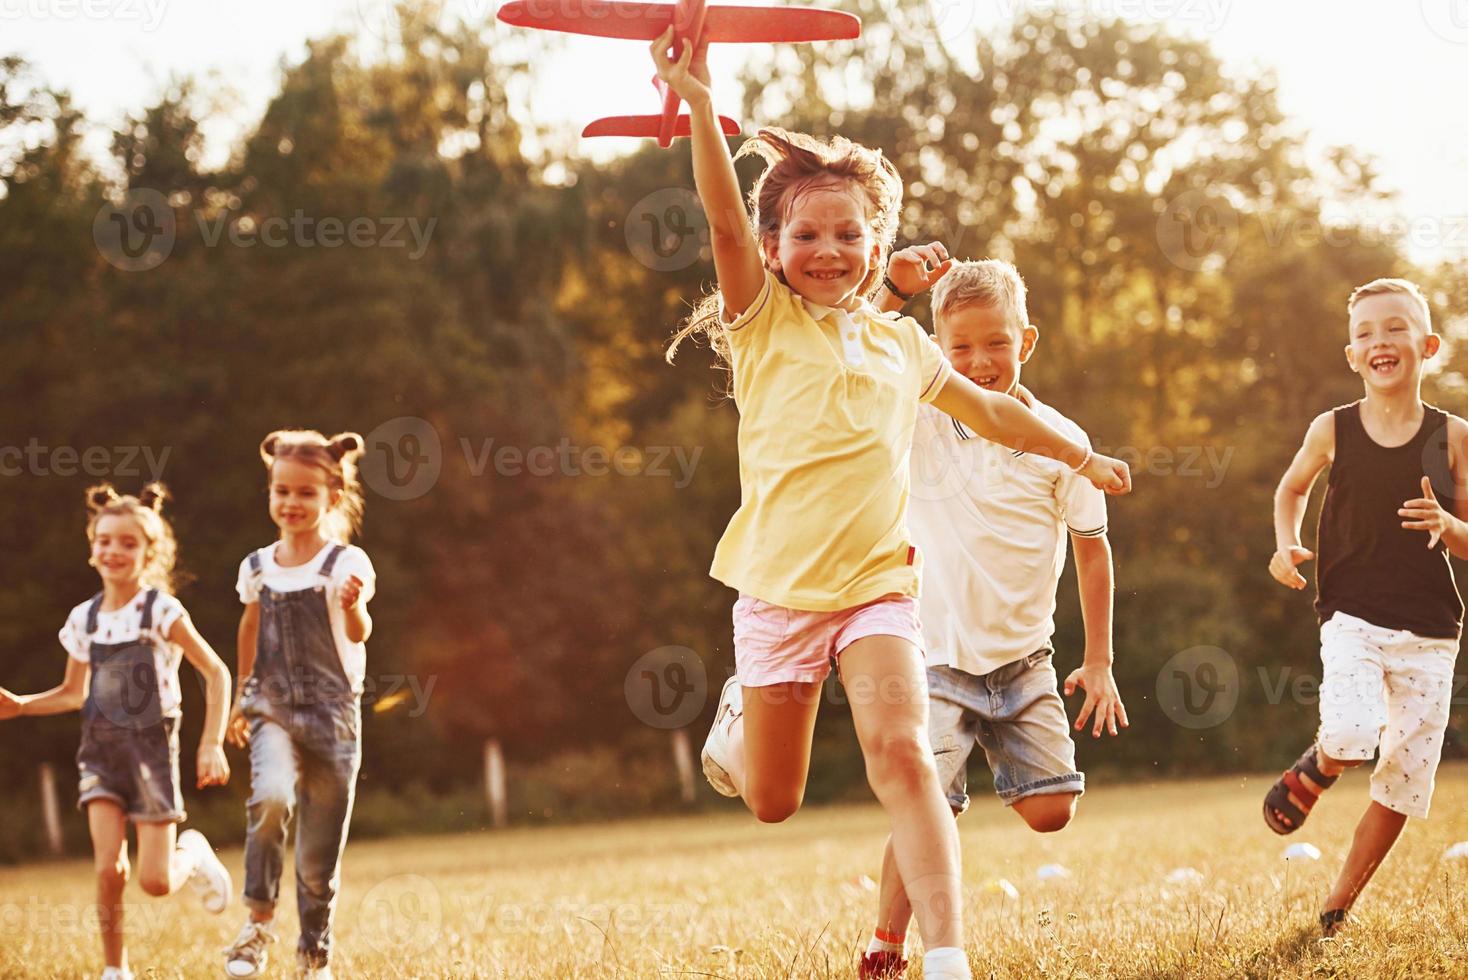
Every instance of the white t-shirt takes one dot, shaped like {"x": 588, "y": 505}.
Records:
{"x": 352, "y": 561}
{"x": 125, "y": 626}
{"x": 992, "y": 524}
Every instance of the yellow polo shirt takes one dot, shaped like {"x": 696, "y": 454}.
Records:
{"x": 827, "y": 406}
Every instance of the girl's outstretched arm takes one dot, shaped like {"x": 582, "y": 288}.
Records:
{"x": 736, "y": 250}
{"x": 69, "y": 695}
{"x": 1002, "y": 419}
{"x": 213, "y": 769}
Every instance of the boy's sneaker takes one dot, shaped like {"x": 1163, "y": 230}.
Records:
{"x": 116, "y": 973}
{"x": 246, "y": 956}
{"x": 305, "y": 971}
{"x": 882, "y": 966}
{"x": 210, "y": 880}
{"x": 716, "y": 746}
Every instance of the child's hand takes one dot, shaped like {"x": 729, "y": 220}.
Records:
{"x": 1426, "y": 514}
{"x": 1282, "y": 565}
{"x": 916, "y": 268}
{"x": 689, "y": 75}
{"x": 351, "y": 592}
{"x": 1105, "y": 473}
{"x": 237, "y": 729}
{"x": 9, "y": 705}
{"x": 213, "y": 767}
{"x": 1102, "y": 698}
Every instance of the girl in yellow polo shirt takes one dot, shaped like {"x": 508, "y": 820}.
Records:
{"x": 828, "y": 390}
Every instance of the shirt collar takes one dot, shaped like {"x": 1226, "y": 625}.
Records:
{"x": 866, "y": 310}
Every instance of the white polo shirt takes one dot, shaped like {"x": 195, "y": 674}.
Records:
{"x": 992, "y": 525}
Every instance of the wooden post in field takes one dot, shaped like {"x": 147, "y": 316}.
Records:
{"x": 683, "y": 761}
{"x": 50, "y": 808}
{"x": 494, "y": 780}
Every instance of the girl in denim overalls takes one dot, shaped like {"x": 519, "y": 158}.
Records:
{"x": 122, "y": 672}
{"x": 302, "y": 661}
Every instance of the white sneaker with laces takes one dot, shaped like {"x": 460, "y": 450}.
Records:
{"x": 210, "y": 880}
{"x": 246, "y": 956}
{"x": 716, "y": 747}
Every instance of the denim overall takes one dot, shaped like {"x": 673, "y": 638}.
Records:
{"x": 305, "y": 748}
{"x": 129, "y": 749}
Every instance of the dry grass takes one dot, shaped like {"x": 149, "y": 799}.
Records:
{"x": 720, "y": 896}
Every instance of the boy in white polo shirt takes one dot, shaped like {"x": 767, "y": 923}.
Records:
{"x": 992, "y": 525}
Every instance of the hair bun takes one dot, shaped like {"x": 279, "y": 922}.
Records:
{"x": 268, "y": 446}
{"x": 100, "y": 496}
{"x": 153, "y": 496}
{"x": 345, "y": 444}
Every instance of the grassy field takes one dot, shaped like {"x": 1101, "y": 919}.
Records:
{"x": 721, "y": 896}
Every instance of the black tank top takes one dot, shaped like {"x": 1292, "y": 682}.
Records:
{"x": 1369, "y": 566}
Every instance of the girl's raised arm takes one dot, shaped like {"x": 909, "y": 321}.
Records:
{"x": 736, "y": 250}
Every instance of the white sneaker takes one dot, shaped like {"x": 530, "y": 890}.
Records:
{"x": 716, "y": 747}
{"x": 210, "y": 880}
{"x": 116, "y": 973}
{"x": 305, "y": 971}
{"x": 246, "y": 956}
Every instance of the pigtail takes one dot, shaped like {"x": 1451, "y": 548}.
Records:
{"x": 153, "y": 496}
{"x": 345, "y": 445}
{"x": 100, "y": 496}
{"x": 269, "y": 445}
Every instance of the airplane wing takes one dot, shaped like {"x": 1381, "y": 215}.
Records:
{"x": 637, "y": 21}
{"x": 649, "y": 127}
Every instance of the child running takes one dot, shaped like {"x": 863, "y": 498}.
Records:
{"x": 123, "y": 649}
{"x": 993, "y": 525}
{"x": 302, "y": 661}
{"x": 828, "y": 390}
{"x": 1390, "y": 613}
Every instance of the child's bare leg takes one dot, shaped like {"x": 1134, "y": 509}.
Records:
{"x": 1047, "y": 812}
{"x": 1375, "y": 834}
{"x": 108, "y": 825}
{"x": 772, "y": 742}
{"x": 887, "y": 688}
{"x": 162, "y": 867}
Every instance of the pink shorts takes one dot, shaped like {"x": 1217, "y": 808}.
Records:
{"x": 776, "y": 645}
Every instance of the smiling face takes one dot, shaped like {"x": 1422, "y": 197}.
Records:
{"x": 985, "y": 346}
{"x": 300, "y": 496}
{"x": 825, "y": 248}
{"x": 1389, "y": 342}
{"x": 120, "y": 550}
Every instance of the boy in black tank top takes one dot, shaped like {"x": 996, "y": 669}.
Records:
{"x": 1389, "y": 610}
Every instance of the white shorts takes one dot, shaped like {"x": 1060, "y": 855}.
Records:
{"x": 1386, "y": 689}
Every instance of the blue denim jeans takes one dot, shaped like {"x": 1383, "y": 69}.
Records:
{"x": 1016, "y": 715}
{"x": 306, "y": 767}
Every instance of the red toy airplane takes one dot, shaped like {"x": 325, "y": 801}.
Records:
{"x": 694, "y": 23}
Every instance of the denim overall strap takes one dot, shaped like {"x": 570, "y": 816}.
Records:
{"x": 297, "y": 663}
{"x": 124, "y": 689}
{"x": 330, "y": 564}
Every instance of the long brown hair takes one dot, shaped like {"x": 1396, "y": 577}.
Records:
{"x": 337, "y": 458}
{"x": 796, "y": 163}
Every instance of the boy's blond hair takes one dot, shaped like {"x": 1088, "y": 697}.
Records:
{"x": 1402, "y": 287}
{"x": 987, "y": 282}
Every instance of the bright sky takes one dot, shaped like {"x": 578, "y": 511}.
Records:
{"x": 1384, "y": 78}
